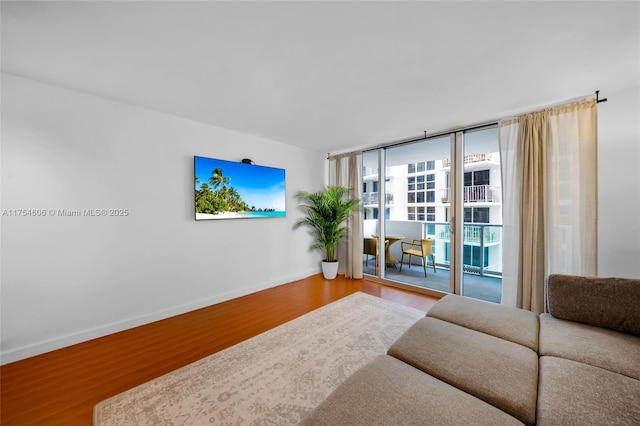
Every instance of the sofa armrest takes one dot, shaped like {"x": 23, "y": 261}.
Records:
{"x": 604, "y": 302}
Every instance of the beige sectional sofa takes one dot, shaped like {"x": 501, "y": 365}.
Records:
{"x": 470, "y": 362}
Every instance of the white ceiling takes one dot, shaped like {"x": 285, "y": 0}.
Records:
{"x": 329, "y": 76}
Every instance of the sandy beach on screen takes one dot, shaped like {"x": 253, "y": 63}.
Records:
{"x": 225, "y": 215}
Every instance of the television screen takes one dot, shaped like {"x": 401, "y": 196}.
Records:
{"x": 233, "y": 190}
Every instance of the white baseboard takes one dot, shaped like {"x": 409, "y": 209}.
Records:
{"x": 59, "y": 342}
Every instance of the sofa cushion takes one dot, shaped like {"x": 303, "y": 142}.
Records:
{"x": 515, "y": 325}
{"x": 502, "y": 373}
{"x": 389, "y": 392}
{"x": 604, "y": 302}
{"x": 572, "y": 393}
{"x": 601, "y": 347}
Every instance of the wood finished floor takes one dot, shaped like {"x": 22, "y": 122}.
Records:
{"x": 61, "y": 387}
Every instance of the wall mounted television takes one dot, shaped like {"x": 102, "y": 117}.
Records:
{"x": 237, "y": 190}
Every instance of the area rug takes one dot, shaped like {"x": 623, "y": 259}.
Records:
{"x": 275, "y": 378}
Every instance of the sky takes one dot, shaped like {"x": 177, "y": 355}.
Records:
{"x": 259, "y": 186}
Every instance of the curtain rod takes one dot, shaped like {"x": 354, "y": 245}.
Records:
{"x": 453, "y": 130}
{"x": 434, "y": 135}
{"x": 445, "y": 132}
{"x": 421, "y": 138}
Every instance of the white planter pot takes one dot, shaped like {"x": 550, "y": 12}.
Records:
{"x": 329, "y": 269}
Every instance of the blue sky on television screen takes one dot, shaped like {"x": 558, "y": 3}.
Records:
{"x": 259, "y": 186}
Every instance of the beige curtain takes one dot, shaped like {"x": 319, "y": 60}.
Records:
{"x": 346, "y": 170}
{"x": 549, "y": 173}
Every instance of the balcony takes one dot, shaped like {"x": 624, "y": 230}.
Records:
{"x": 474, "y": 194}
{"x": 368, "y": 172}
{"x": 493, "y": 157}
{"x": 482, "y": 257}
{"x": 372, "y": 198}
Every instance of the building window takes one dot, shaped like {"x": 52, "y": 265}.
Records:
{"x": 416, "y": 167}
{"x": 431, "y": 196}
{"x": 479, "y": 177}
{"x": 421, "y": 189}
{"x": 422, "y": 166}
{"x": 421, "y": 214}
{"x": 416, "y": 213}
{"x": 431, "y": 181}
{"x": 431, "y": 214}
{"x": 373, "y": 213}
{"x": 476, "y": 215}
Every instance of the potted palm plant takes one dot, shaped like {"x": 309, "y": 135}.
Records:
{"x": 326, "y": 212}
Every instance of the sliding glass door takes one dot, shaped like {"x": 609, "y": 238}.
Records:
{"x": 482, "y": 215}
{"x": 432, "y": 215}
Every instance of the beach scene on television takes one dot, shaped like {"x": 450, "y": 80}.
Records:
{"x": 235, "y": 190}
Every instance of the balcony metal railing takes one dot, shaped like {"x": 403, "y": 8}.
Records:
{"x": 373, "y": 171}
{"x": 482, "y": 194}
{"x": 474, "y": 194}
{"x": 373, "y": 198}
{"x": 475, "y": 158}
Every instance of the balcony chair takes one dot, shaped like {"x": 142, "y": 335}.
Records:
{"x": 421, "y": 248}
{"x": 371, "y": 248}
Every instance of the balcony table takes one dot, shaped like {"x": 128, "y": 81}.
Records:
{"x": 389, "y": 258}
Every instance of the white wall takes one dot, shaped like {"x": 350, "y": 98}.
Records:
{"x": 619, "y": 183}
{"x": 69, "y": 279}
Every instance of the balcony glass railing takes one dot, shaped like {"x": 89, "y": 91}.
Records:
{"x": 474, "y": 234}
{"x": 482, "y": 254}
{"x": 482, "y": 243}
